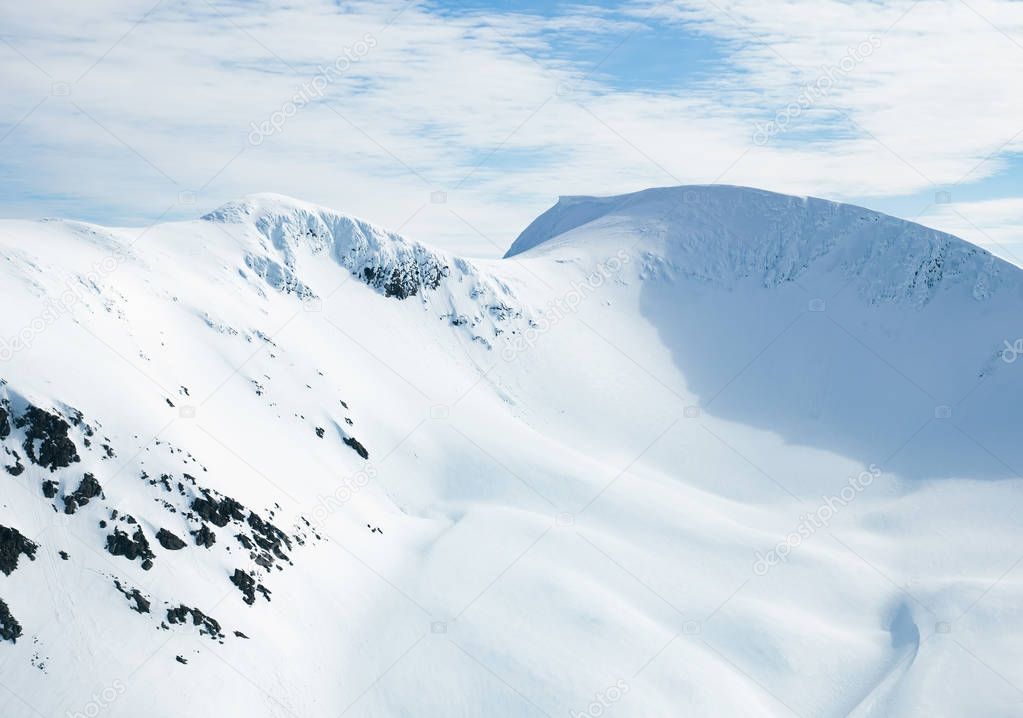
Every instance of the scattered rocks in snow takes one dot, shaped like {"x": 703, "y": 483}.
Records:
{"x": 179, "y": 659}
{"x": 13, "y": 545}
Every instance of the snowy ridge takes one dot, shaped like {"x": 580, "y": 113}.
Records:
{"x": 725, "y": 234}
{"x": 389, "y": 263}
{"x": 754, "y": 456}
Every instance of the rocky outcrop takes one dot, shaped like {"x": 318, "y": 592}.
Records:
{"x": 131, "y": 547}
{"x": 10, "y": 629}
{"x": 247, "y": 584}
{"x": 208, "y": 626}
{"x": 88, "y": 489}
{"x": 169, "y": 541}
{"x": 13, "y": 545}
{"x": 46, "y": 439}
{"x": 139, "y": 603}
{"x": 218, "y": 511}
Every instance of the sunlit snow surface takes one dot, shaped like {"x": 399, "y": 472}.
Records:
{"x": 702, "y": 451}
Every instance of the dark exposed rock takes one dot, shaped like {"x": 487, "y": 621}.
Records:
{"x": 239, "y": 634}
{"x": 131, "y": 547}
{"x": 319, "y": 431}
{"x": 55, "y": 450}
{"x": 64, "y": 555}
{"x": 182, "y": 661}
{"x": 50, "y": 488}
{"x": 13, "y": 545}
{"x": 5, "y": 418}
{"x": 88, "y": 489}
{"x": 357, "y": 446}
{"x": 169, "y": 541}
{"x": 140, "y": 603}
{"x": 204, "y": 536}
{"x": 17, "y": 468}
{"x": 208, "y": 626}
{"x": 219, "y": 512}
{"x": 406, "y": 277}
{"x": 10, "y": 629}
{"x": 268, "y": 536}
{"x": 77, "y": 420}
{"x": 248, "y": 586}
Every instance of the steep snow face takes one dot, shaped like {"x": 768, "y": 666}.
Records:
{"x": 723, "y": 234}
{"x": 703, "y": 451}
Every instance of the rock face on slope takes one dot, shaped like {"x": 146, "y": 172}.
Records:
{"x": 723, "y": 234}
{"x": 59, "y": 438}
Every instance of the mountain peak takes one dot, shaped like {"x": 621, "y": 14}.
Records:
{"x": 262, "y": 204}
{"x": 724, "y": 233}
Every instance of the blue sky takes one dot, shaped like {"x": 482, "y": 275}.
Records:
{"x": 126, "y": 111}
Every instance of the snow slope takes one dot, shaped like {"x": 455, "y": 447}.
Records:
{"x": 703, "y": 451}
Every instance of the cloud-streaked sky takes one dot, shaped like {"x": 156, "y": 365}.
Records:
{"x": 124, "y": 112}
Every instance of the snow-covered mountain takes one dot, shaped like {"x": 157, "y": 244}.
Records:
{"x": 702, "y": 451}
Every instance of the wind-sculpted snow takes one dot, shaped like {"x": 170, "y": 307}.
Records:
{"x": 724, "y": 234}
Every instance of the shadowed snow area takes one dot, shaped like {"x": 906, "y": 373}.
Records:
{"x": 702, "y": 451}
{"x": 834, "y": 326}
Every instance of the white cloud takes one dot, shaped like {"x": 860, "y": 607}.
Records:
{"x": 470, "y": 104}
